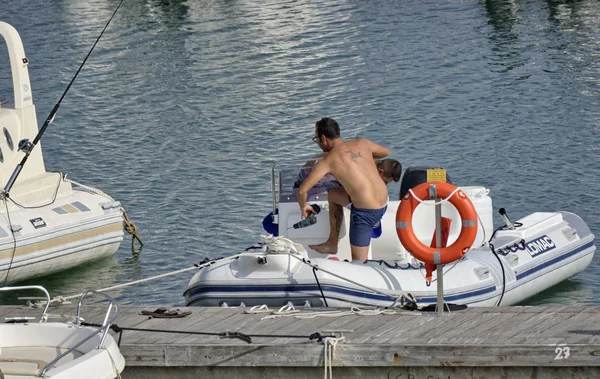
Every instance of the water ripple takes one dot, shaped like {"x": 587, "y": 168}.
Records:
{"x": 184, "y": 106}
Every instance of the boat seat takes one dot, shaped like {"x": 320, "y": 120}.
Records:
{"x": 287, "y": 187}
{"x": 30, "y": 360}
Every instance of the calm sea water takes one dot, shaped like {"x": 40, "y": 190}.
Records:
{"x": 183, "y": 107}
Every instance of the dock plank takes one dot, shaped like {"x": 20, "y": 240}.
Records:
{"x": 563, "y": 339}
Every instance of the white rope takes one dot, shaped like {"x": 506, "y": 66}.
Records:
{"x": 258, "y": 309}
{"x": 281, "y": 245}
{"x": 60, "y": 299}
{"x": 91, "y": 189}
{"x": 64, "y": 299}
{"x": 340, "y": 313}
{"x": 440, "y": 201}
{"x": 329, "y": 345}
{"x": 114, "y": 365}
{"x": 353, "y": 311}
{"x": 274, "y": 245}
{"x": 287, "y": 309}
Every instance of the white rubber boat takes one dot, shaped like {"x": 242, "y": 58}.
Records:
{"x": 59, "y": 350}
{"x": 503, "y": 267}
{"x": 47, "y": 223}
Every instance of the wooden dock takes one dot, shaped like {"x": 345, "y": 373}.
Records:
{"x": 511, "y": 342}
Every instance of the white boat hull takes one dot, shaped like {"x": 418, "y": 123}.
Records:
{"x": 556, "y": 247}
{"x": 25, "y": 349}
{"x": 69, "y": 236}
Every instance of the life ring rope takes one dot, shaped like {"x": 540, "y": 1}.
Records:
{"x": 439, "y": 201}
{"x": 432, "y": 256}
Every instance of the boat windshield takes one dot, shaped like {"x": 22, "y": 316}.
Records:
{"x": 291, "y": 177}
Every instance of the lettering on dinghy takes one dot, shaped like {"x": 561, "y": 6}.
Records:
{"x": 38, "y": 222}
{"x": 540, "y": 245}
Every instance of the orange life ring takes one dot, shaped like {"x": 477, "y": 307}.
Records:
{"x": 436, "y": 255}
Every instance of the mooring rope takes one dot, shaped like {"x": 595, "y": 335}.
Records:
{"x": 65, "y": 299}
{"x": 280, "y": 243}
{"x": 329, "y": 345}
{"x": 90, "y": 189}
{"x": 129, "y": 226}
{"x": 114, "y": 365}
{"x": 316, "y": 336}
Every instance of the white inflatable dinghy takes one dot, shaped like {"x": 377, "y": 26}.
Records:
{"x": 503, "y": 267}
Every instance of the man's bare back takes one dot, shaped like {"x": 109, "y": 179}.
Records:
{"x": 353, "y": 165}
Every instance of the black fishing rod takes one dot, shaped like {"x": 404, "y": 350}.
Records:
{"x": 25, "y": 145}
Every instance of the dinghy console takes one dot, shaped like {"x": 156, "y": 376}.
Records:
{"x": 285, "y": 178}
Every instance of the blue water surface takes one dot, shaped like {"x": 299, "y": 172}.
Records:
{"x": 184, "y": 105}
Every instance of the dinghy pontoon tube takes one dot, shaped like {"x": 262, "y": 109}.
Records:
{"x": 544, "y": 249}
{"x": 46, "y": 225}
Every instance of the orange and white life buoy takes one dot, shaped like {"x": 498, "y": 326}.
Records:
{"x": 436, "y": 255}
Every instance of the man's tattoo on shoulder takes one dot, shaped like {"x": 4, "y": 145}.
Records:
{"x": 353, "y": 155}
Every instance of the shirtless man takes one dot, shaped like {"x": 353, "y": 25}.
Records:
{"x": 353, "y": 164}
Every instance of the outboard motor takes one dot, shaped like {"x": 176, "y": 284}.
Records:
{"x": 415, "y": 175}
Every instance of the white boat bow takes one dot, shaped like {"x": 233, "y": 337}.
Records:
{"x": 60, "y": 350}
{"x": 47, "y": 222}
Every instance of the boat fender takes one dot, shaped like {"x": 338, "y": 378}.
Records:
{"x": 110, "y": 205}
{"x": 269, "y": 224}
{"x": 436, "y": 255}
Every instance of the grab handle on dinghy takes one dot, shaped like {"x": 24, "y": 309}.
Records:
{"x": 508, "y": 224}
{"x": 103, "y": 328}
{"x": 18, "y": 288}
{"x": 106, "y": 323}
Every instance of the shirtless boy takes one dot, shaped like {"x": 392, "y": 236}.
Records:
{"x": 353, "y": 164}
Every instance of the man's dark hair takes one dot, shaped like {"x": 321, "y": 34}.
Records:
{"x": 391, "y": 168}
{"x": 328, "y": 127}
